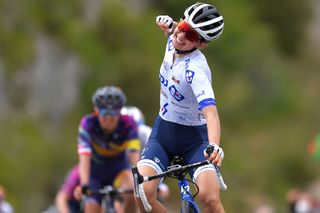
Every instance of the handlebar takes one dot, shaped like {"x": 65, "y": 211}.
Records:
{"x": 110, "y": 190}
{"x": 139, "y": 179}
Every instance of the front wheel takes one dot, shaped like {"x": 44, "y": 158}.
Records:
{"x": 187, "y": 207}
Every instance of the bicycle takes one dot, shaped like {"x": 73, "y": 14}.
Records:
{"x": 111, "y": 194}
{"x": 179, "y": 172}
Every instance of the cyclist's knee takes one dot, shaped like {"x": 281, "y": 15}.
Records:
{"x": 150, "y": 192}
{"x": 210, "y": 201}
{"x": 150, "y": 188}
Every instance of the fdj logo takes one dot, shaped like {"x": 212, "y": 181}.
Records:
{"x": 163, "y": 80}
{"x": 174, "y": 92}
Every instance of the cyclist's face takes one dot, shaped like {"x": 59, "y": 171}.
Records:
{"x": 108, "y": 119}
{"x": 184, "y": 37}
{"x": 109, "y": 122}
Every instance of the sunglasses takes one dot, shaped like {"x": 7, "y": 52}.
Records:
{"x": 190, "y": 33}
{"x": 105, "y": 112}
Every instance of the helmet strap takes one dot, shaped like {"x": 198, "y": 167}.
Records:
{"x": 185, "y": 51}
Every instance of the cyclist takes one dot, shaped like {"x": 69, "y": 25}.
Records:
{"x": 144, "y": 132}
{"x": 65, "y": 200}
{"x": 108, "y": 145}
{"x": 188, "y": 120}
{"x": 5, "y": 206}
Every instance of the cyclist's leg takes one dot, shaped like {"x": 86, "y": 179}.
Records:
{"x": 153, "y": 160}
{"x": 91, "y": 207}
{"x": 204, "y": 176}
{"x": 125, "y": 180}
{"x": 151, "y": 189}
{"x": 92, "y": 202}
{"x": 209, "y": 192}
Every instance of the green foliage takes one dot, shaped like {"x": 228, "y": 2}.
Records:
{"x": 289, "y": 21}
{"x": 28, "y": 162}
{"x": 54, "y": 17}
{"x": 16, "y": 49}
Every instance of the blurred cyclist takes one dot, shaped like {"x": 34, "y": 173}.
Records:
{"x": 188, "y": 121}
{"x": 65, "y": 200}
{"x": 5, "y": 206}
{"x": 108, "y": 145}
{"x": 144, "y": 130}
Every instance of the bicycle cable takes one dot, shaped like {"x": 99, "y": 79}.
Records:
{"x": 190, "y": 181}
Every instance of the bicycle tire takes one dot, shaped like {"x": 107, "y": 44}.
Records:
{"x": 187, "y": 207}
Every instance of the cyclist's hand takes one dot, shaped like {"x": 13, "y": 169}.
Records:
{"x": 85, "y": 190}
{"x": 214, "y": 154}
{"x": 165, "y": 23}
{"x": 77, "y": 193}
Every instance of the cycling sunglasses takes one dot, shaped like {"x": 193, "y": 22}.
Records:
{"x": 190, "y": 33}
{"x": 105, "y": 112}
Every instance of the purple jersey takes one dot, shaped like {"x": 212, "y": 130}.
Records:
{"x": 105, "y": 147}
{"x": 71, "y": 181}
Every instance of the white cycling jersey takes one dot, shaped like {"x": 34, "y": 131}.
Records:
{"x": 185, "y": 87}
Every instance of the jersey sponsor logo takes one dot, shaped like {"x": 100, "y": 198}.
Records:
{"x": 163, "y": 93}
{"x": 184, "y": 107}
{"x": 174, "y": 92}
{"x": 163, "y": 81}
{"x": 200, "y": 116}
{"x": 189, "y": 76}
{"x": 187, "y": 63}
{"x": 164, "y": 109}
{"x": 143, "y": 152}
{"x": 157, "y": 160}
{"x": 170, "y": 45}
{"x": 175, "y": 80}
{"x": 181, "y": 117}
{"x": 166, "y": 65}
{"x": 200, "y": 94}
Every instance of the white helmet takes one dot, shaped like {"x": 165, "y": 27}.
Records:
{"x": 135, "y": 113}
{"x": 205, "y": 19}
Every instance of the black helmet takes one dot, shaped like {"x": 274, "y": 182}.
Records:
{"x": 109, "y": 98}
{"x": 205, "y": 19}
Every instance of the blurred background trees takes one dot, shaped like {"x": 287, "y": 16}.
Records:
{"x": 54, "y": 54}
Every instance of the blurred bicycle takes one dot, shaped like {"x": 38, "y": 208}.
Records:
{"x": 112, "y": 198}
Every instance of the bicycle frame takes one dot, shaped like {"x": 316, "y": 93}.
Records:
{"x": 185, "y": 194}
{"x": 108, "y": 203}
